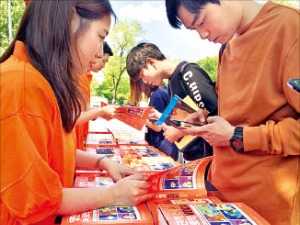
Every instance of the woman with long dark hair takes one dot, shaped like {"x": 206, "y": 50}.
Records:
{"x": 40, "y": 103}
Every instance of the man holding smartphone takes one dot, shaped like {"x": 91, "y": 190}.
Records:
{"x": 146, "y": 63}
{"x": 256, "y": 136}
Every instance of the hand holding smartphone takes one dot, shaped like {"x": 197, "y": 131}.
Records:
{"x": 179, "y": 124}
{"x": 294, "y": 84}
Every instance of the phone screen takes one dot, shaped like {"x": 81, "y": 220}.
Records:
{"x": 182, "y": 124}
{"x": 295, "y": 84}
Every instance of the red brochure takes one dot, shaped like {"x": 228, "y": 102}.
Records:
{"x": 133, "y": 116}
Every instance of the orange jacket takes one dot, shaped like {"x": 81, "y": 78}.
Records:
{"x": 37, "y": 156}
{"x": 253, "y": 92}
{"x": 82, "y": 129}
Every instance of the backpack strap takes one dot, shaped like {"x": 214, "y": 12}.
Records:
{"x": 221, "y": 51}
{"x": 182, "y": 66}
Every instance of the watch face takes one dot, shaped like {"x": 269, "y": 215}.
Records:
{"x": 237, "y": 144}
{"x": 236, "y": 140}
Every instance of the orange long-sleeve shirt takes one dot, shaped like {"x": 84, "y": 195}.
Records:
{"x": 37, "y": 156}
{"x": 82, "y": 129}
{"x": 253, "y": 92}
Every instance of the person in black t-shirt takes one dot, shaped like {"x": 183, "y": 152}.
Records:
{"x": 146, "y": 63}
{"x": 158, "y": 98}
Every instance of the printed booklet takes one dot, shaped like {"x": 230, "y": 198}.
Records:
{"x": 121, "y": 215}
{"x": 180, "y": 197}
{"x": 132, "y": 115}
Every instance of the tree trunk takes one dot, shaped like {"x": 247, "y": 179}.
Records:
{"x": 115, "y": 96}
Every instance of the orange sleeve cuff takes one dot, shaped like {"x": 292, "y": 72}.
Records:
{"x": 48, "y": 211}
{"x": 252, "y": 138}
{"x": 32, "y": 206}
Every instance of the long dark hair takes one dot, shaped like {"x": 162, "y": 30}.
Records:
{"x": 137, "y": 89}
{"x": 45, "y": 30}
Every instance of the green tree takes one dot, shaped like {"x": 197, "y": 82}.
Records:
{"x": 209, "y": 64}
{"x": 11, "y": 12}
{"x": 116, "y": 84}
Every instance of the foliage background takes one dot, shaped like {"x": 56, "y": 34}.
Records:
{"x": 17, "y": 8}
{"x": 124, "y": 35}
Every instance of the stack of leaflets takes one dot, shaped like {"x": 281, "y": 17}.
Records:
{"x": 92, "y": 180}
{"x": 122, "y": 140}
{"x": 146, "y": 151}
{"x": 181, "y": 198}
{"x": 183, "y": 181}
{"x": 126, "y": 134}
{"x": 112, "y": 153}
{"x": 99, "y": 126}
{"x": 142, "y": 151}
{"x": 145, "y": 158}
{"x": 209, "y": 213}
{"x": 95, "y": 139}
{"x": 121, "y": 215}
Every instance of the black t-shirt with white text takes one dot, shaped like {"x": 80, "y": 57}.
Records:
{"x": 191, "y": 80}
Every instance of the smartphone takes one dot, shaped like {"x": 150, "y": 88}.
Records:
{"x": 179, "y": 124}
{"x": 294, "y": 84}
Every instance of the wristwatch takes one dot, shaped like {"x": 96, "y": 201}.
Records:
{"x": 236, "y": 141}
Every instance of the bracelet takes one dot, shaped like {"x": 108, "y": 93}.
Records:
{"x": 99, "y": 160}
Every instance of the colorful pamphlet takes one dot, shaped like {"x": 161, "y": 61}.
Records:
{"x": 132, "y": 115}
{"x": 209, "y": 213}
{"x": 183, "y": 181}
{"x": 155, "y": 163}
{"x": 121, "y": 215}
{"x": 181, "y": 198}
{"x": 85, "y": 181}
{"x": 99, "y": 139}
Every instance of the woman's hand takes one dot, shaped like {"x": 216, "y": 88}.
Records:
{"x": 154, "y": 114}
{"x": 217, "y": 132}
{"x": 115, "y": 170}
{"x": 131, "y": 190}
{"x": 153, "y": 126}
{"x": 172, "y": 134}
{"x": 107, "y": 112}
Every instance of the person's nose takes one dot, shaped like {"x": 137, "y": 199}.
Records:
{"x": 99, "y": 53}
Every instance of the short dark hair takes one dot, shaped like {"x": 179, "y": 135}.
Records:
{"x": 138, "y": 55}
{"x": 107, "y": 49}
{"x": 193, "y": 6}
{"x": 48, "y": 42}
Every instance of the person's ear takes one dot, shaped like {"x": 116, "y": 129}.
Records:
{"x": 75, "y": 21}
{"x": 151, "y": 62}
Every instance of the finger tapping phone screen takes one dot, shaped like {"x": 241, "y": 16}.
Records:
{"x": 294, "y": 84}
